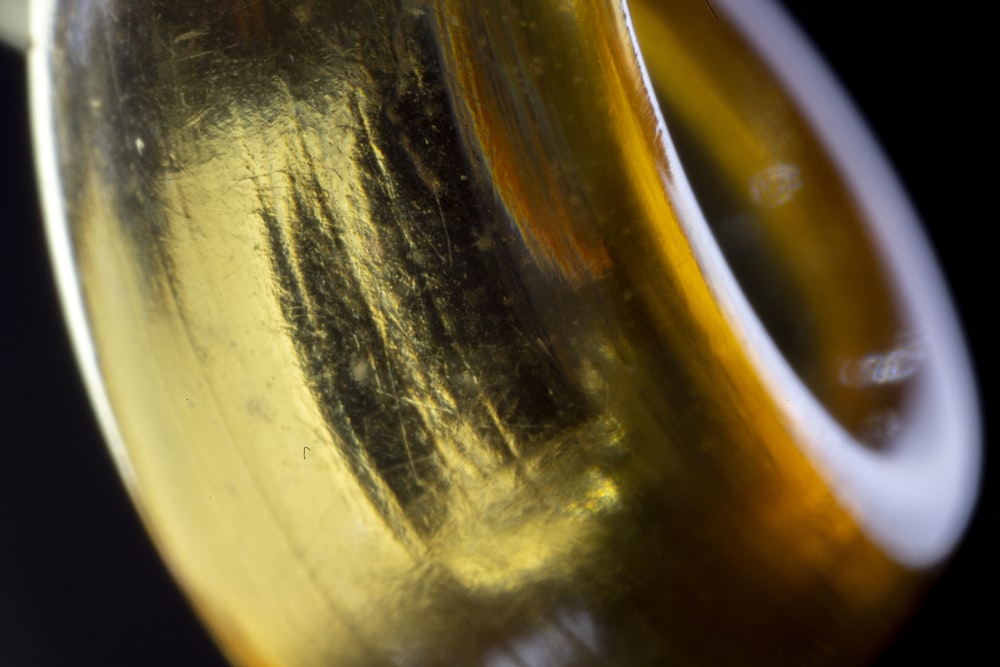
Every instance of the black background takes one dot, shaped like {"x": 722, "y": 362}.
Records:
{"x": 80, "y": 583}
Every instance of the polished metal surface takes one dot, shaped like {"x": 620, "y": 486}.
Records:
{"x": 423, "y": 333}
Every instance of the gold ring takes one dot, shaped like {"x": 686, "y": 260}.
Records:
{"x": 515, "y": 333}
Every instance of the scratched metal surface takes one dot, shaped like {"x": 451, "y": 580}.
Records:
{"x": 398, "y": 381}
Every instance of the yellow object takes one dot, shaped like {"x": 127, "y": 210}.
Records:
{"x": 415, "y": 329}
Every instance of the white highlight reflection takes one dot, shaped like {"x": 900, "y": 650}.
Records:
{"x": 892, "y": 367}
{"x": 571, "y": 639}
{"x": 776, "y": 185}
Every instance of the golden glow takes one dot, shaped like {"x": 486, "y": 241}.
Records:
{"x": 411, "y": 350}
{"x": 784, "y": 201}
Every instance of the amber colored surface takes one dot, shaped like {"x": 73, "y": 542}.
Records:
{"x": 411, "y": 359}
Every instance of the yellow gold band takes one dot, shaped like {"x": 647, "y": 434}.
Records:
{"x": 445, "y": 332}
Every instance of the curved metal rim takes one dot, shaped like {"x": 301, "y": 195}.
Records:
{"x": 914, "y": 498}
{"x": 42, "y": 13}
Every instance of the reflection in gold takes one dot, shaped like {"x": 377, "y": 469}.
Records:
{"x": 776, "y": 185}
{"x": 896, "y": 365}
{"x": 413, "y": 357}
{"x": 778, "y": 207}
